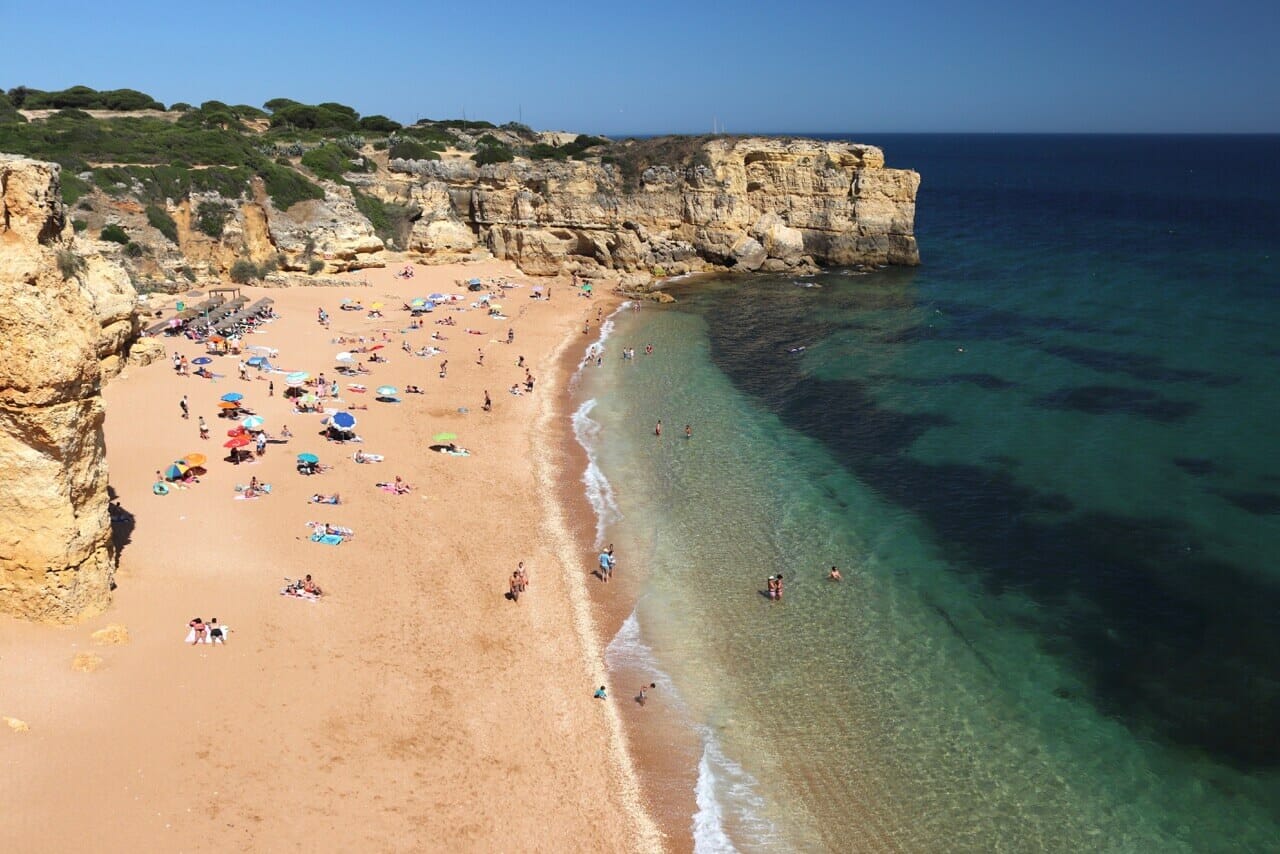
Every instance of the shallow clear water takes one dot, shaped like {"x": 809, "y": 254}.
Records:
{"x": 1046, "y": 464}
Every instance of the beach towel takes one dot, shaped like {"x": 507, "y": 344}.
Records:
{"x": 294, "y": 593}
{"x": 357, "y": 388}
{"x": 369, "y": 458}
{"x": 337, "y": 529}
{"x": 387, "y": 487}
{"x": 327, "y": 539}
{"x": 262, "y": 487}
{"x": 242, "y": 497}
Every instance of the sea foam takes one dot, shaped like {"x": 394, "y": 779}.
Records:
{"x": 724, "y": 791}
{"x": 599, "y": 490}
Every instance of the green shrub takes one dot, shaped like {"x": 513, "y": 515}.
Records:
{"x": 327, "y": 161}
{"x": 70, "y": 265}
{"x": 379, "y": 124}
{"x": 187, "y": 273}
{"x": 315, "y": 266}
{"x": 280, "y": 103}
{"x": 84, "y": 98}
{"x": 180, "y": 107}
{"x": 493, "y": 154}
{"x": 405, "y": 148}
{"x": 79, "y": 225}
{"x": 8, "y": 112}
{"x": 286, "y": 187}
{"x": 211, "y": 217}
{"x": 133, "y": 250}
{"x": 380, "y": 145}
{"x": 73, "y": 187}
{"x": 243, "y": 272}
{"x": 160, "y": 220}
{"x": 115, "y": 234}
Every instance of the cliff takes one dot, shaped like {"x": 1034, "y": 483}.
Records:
{"x": 65, "y": 317}
{"x": 747, "y": 204}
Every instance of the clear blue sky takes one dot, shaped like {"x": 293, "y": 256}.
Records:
{"x": 637, "y": 67}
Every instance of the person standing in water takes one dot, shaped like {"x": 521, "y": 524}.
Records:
{"x": 657, "y": 431}
{"x": 834, "y": 574}
{"x": 688, "y": 431}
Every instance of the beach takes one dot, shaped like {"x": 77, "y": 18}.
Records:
{"x": 414, "y": 706}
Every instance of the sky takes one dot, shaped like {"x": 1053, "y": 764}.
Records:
{"x": 1085, "y": 66}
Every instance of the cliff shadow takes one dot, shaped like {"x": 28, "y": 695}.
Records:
{"x": 122, "y": 522}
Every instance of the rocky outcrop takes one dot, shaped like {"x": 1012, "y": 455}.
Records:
{"x": 63, "y": 319}
{"x": 663, "y": 206}
{"x": 750, "y": 204}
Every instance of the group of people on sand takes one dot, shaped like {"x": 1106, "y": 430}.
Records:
{"x": 210, "y": 632}
{"x": 304, "y": 588}
{"x": 519, "y": 582}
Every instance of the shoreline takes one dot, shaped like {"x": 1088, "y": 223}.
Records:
{"x": 413, "y": 706}
{"x": 664, "y": 750}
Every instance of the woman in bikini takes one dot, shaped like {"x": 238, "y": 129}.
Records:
{"x": 199, "y": 628}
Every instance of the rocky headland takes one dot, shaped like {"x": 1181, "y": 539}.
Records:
{"x": 217, "y": 190}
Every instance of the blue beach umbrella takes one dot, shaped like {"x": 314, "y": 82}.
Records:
{"x": 255, "y": 361}
{"x": 203, "y": 360}
{"x": 308, "y": 458}
{"x": 297, "y": 378}
{"x": 175, "y": 471}
{"x": 232, "y": 397}
{"x": 437, "y": 297}
{"x": 343, "y": 420}
{"x": 387, "y": 391}
{"x": 253, "y": 422}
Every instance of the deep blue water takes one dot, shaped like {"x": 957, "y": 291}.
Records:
{"x": 1050, "y": 457}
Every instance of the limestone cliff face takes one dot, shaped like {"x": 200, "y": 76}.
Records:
{"x": 748, "y": 204}
{"x": 62, "y": 316}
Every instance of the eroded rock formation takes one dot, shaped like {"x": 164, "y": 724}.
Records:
{"x": 64, "y": 319}
{"x": 749, "y": 204}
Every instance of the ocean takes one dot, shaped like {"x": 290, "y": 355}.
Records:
{"x": 1046, "y": 465}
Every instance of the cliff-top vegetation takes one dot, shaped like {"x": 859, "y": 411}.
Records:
{"x": 153, "y": 153}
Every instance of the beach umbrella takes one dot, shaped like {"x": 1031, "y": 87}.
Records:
{"x": 437, "y": 297}
{"x": 444, "y": 437}
{"x": 254, "y": 361}
{"x": 297, "y": 378}
{"x": 387, "y": 391}
{"x": 473, "y": 282}
{"x": 308, "y": 458}
{"x": 203, "y": 360}
{"x": 346, "y": 300}
{"x": 309, "y": 397}
{"x": 377, "y": 347}
{"x": 194, "y": 460}
{"x": 237, "y": 441}
{"x": 175, "y": 471}
{"x": 419, "y": 302}
{"x": 232, "y": 397}
{"x": 343, "y": 420}
{"x": 228, "y": 405}
{"x": 236, "y": 431}
{"x": 344, "y": 357}
{"x": 253, "y": 422}
{"x": 376, "y": 305}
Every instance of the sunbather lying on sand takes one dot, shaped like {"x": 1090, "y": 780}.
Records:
{"x": 318, "y": 498}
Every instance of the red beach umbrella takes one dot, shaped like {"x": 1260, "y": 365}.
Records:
{"x": 239, "y": 431}
{"x": 236, "y": 442}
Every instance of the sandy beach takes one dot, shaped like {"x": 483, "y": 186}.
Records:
{"x": 414, "y": 707}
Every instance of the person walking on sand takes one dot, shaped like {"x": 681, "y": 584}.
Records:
{"x": 204, "y": 429}
{"x": 444, "y": 368}
{"x": 513, "y": 589}
{"x": 511, "y": 335}
{"x": 271, "y": 388}
{"x": 606, "y": 566}
{"x": 657, "y": 431}
{"x": 479, "y": 356}
{"x": 644, "y": 693}
{"x": 186, "y": 411}
{"x": 488, "y": 404}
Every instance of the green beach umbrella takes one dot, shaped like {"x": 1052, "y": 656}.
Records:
{"x": 444, "y": 437}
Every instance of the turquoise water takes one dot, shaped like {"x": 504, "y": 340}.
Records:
{"x": 1045, "y": 462}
